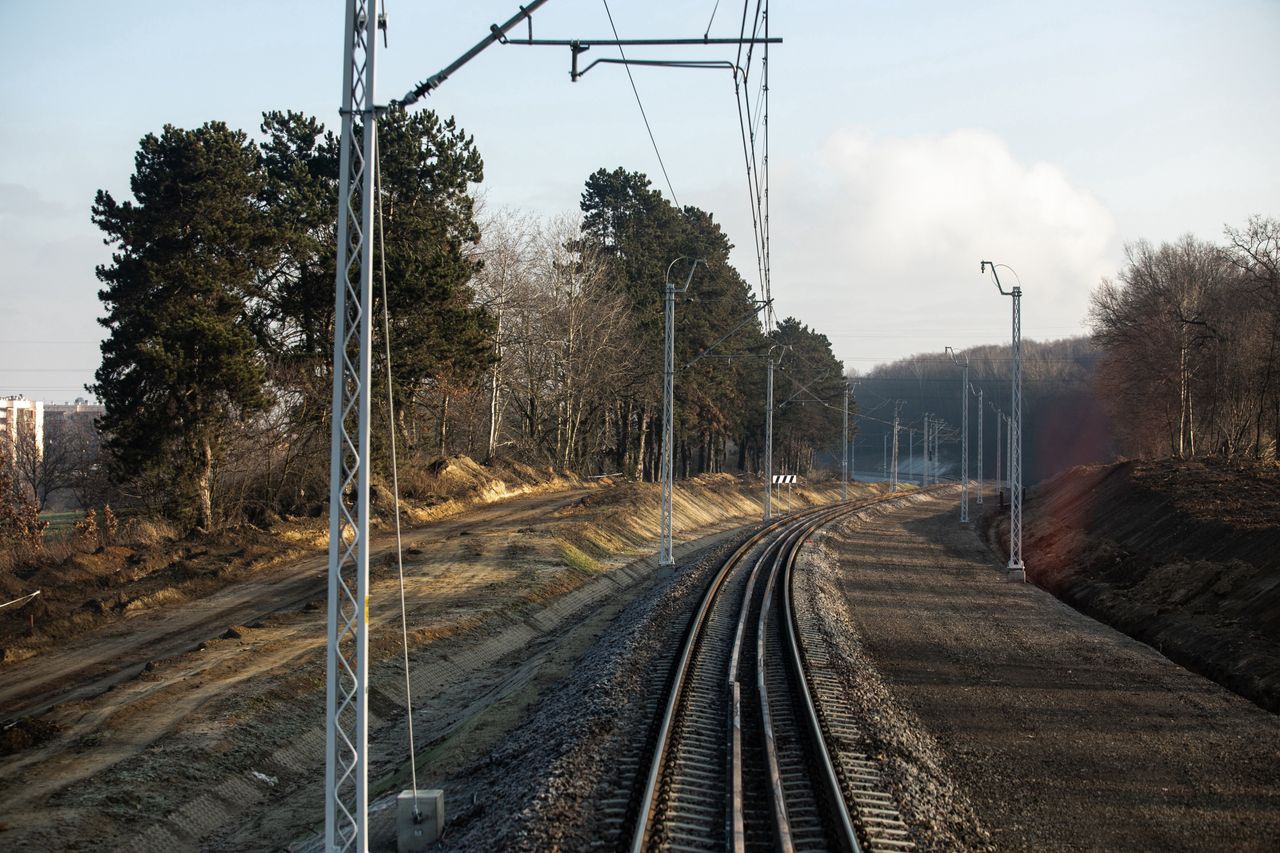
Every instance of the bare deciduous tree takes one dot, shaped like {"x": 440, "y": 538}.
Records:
{"x": 1190, "y": 333}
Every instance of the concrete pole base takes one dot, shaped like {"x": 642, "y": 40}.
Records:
{"x": 1016, "y": 575}
{"x": 419, "y": 820}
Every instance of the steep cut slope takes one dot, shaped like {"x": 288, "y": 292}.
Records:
{"x": 1184, "y": 556}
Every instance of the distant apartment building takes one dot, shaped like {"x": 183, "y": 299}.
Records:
{"x": 19, "y": 416}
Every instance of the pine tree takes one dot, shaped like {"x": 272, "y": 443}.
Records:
{"x": 439, "y": 338}
{"x": 180, "y": 361}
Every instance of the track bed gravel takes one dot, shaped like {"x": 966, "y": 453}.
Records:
{"x": 936, "y": 810}
{"x": 563, "y": 778}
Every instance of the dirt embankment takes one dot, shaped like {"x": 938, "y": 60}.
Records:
{"x": 200, "y": 724}
{"x": 1184, "y": 556}
{"x": 150, "y": 566}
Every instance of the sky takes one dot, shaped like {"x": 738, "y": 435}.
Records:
{"x": 908, "y": 141}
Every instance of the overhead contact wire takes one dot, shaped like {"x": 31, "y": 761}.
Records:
{"x": 640, "y": 104}
{"x": 395, "y": 474}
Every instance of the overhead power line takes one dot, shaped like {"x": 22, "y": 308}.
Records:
{"x": 640, "y": 104}
{"x": 713, "y": 19}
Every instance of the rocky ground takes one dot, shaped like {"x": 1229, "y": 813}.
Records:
{"x": 540, "y": 632}
{"x": 935, "y": 808}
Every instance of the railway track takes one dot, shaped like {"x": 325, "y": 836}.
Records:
{"x": 752, "y": 750}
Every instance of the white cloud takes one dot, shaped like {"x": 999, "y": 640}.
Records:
{"x": 22, "y": 200}
{"x": 884, "y": 234}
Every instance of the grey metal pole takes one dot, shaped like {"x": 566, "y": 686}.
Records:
{"x": 666, "y": 556}
{"x": 964, "y": 435}
{"x": 911, "y": 453}
{"x": 931, "y": 460}
{"x": 347, "y": 654}
{"x": 981, "y": 471}
{"x": 964, "y": 446}
{"x": 768, "y": 446}
{"x": 924, "y": 452}
{"x": 844, "y": 482}
{"x": 937, "y": 458}
{"x": 885, "y": 442}
{"x": 894, "y": 457}
{"x": 999, "y": 455}
{"x": 937, "y": 453}
{"x": 1017, "y": 571}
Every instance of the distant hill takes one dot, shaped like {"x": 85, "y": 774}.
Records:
{"x": 1064, "y": 423}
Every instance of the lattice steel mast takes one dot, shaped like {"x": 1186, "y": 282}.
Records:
{"x": 347, "y": 663}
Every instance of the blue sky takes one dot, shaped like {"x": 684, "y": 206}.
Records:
{"x": 908, "y": 140}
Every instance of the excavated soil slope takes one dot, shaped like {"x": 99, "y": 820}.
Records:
{"x": 1184, "y": 556}
{"x": 1062, "y": 733}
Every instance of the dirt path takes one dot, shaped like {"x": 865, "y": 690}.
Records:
{"x": 92, "y": 664}
{"x": 1063, "y": 733}
{"x": 160, "y": 710}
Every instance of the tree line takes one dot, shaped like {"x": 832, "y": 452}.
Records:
{"x": 510, "y": 337}
{"x": 1190, "y": 339}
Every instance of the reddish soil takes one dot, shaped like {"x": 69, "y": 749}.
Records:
{"x": 1184, "y": 556}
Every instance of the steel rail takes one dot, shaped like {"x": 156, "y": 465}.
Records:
{"x": 781, "y": 821}
{"x": 791, "y": 533}
{"x": 649, "y": 797}
{"x": 795, "y": 658}
{"x": 736, "y": 824}
{"x": 813, "y": 728}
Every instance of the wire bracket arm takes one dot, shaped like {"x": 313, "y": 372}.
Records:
{"x": 497, "y": 34}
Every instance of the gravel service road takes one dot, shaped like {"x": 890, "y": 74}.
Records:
{"x": 1062, "y": 733}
